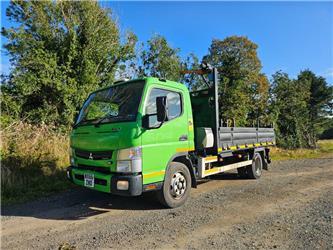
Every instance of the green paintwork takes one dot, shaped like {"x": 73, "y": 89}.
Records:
{"x": 158, "y": 145}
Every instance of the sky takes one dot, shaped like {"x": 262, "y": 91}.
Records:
{"x": 292, "y": 36}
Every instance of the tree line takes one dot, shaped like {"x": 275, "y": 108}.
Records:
{"x": 63, "y": 50}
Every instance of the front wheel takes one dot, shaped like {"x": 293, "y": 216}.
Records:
{"x": 176, "y": 187}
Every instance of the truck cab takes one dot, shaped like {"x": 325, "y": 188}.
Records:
{"x": 118, "y": 145}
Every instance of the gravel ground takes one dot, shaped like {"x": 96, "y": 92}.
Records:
{"x": 291, "y": 206}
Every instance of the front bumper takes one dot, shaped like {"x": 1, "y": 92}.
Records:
{"x": 107, "y": 182}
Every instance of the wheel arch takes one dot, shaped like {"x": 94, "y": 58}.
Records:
{"x": 184, "y": 159}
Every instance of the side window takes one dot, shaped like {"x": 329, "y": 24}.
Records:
{"x": 174, "y": 104}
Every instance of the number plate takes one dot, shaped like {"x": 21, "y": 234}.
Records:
{"x": 89, "y": 180}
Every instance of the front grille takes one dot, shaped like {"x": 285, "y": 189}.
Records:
{"x": 103, "y": 170}
{"x": 93, "y": 155}
{"x": 100, "y": 182}
{"x": 79, "y": 177}
{"x": 97, "y": 181}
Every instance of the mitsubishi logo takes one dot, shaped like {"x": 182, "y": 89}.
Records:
{"x": 91, "y": 156}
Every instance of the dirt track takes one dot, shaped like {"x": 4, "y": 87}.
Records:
{"x": 291, "y": 206}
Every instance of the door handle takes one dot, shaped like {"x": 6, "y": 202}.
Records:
{"x": 183, "y": 138}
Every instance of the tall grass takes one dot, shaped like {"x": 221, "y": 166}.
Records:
{"x": 324, "y": 150}
{"x": 33, "y": 160}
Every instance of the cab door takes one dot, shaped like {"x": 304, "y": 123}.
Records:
{"x": 160, "y": 144}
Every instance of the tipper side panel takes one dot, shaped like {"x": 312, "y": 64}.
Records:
{"x": 242, "y": 136}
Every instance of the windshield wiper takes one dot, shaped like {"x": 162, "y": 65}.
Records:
{"x": 103, "y": 119}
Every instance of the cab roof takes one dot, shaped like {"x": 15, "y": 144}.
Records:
{"x": 149, "y": 80}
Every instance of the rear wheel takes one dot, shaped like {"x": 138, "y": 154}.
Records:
{"x": 176, "y": 187}
{"x": 254, "y": 171}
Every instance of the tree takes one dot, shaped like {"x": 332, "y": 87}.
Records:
{"x": 319, "y": 104}
{"x": 301, "y": 108}
{"x": 61, "y": 51}
{"x": 192, "y": 81}
{"x": 242, "y": 86}
{"x": 328, "y": 130}
{"x": 259, "y": 95}
{"x": 160, "y": 60}
{"x": 289, "y": 108}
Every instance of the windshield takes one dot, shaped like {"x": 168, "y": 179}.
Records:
{"x": 116, "y": 104}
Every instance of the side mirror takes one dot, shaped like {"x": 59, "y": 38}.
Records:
{"x": 149, "y": 122}
{"x": 161, "y": 108}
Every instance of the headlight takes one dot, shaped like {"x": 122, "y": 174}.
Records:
{"x": 129, "y": 153}
{"x": 129, "y": 160}
{"x": 124, "y": 166}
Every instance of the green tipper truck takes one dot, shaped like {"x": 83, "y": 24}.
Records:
{"x": 152, "y": 134}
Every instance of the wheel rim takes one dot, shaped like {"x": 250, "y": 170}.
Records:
{"x": 257, "y": 166}
{"x": 178, "y": 185}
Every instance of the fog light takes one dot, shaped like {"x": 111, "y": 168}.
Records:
{"x": 122, "y": 185}
{"x": 68, "y": 174}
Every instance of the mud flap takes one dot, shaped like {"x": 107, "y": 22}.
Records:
{"x": 267, "y": 159}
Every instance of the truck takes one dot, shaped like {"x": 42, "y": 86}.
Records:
{"x": 152, "y": 134}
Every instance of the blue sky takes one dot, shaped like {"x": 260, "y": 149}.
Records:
{"x": 291, "y": 35}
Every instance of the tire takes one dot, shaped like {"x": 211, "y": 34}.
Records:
{"x": 254, "y": 171}
{"x": 242, "y": 173}
{"x": 176, "y": 186}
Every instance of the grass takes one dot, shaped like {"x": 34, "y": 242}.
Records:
{"x": 325, "y": 149}
{"x": 33, "y": 162}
